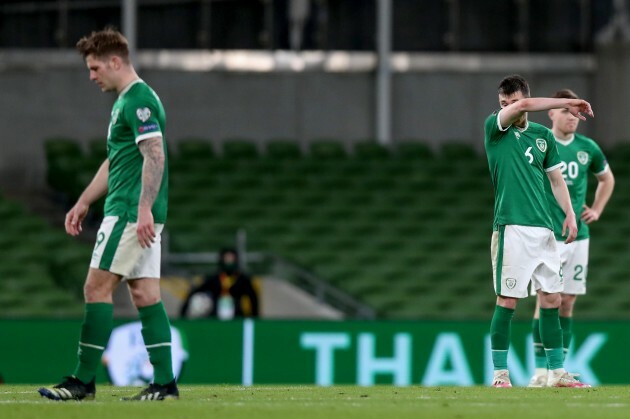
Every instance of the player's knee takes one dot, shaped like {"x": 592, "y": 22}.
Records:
{"x": 145, "y": 300}
{"x": 506, "y": 302}
{"x": 96, "y": 293}
{"x": 550, "y": 300}
{"x": 143, "y": 297}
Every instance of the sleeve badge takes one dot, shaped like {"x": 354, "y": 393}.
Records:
{"x": 143, "y": 114}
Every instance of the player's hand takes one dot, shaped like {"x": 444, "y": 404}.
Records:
{"x": 589, "y": 215}
{"x": 146, "y": 228}
{"x": 579, "y": 106}
{"x": 569, "y": 227}
{"x": 75, "y": 217}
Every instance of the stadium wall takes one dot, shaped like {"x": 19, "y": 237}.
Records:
{"x": 435, "y": 98}
{"x": 324, "y": 353}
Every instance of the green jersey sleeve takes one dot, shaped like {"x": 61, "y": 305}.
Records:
{"x": 552, "y": 157}
{"x": 599, "y": 164}
{"x": 493, "y": 131}
{"x": 142, "y": 115}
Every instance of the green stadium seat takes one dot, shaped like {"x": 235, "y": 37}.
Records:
{"x": 379, "y": 183}
{"x": 9, "y": 210}
{"x": 63, "y": 157}
{"x": 62, "y": 171}
{"x": 30, "y": 246}
{"x": 237, "y": 149}
{"x": 370, "y": 151}
{"x": 620, "y": 151}
{"x": 416, "y": 150}
{"x": 194, "y": 149}
{"x": 327, "y": 150}
{"x": 458, "y": 151}
{"x": 97, "y": 149}
{"x": 24, "y": 225}
{"x": 57, "y": 147}
{"x": 283, "y": 150}
{"x": 385, "y": 302}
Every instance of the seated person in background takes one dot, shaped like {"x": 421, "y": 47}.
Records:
{"x": 221, "y": 294}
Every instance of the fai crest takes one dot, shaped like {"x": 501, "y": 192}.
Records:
{"x": 582, "y": 157}
{"x": 541, "y": 144}
{"x": 143, "y": 114}
{"x": 510, "y": 283}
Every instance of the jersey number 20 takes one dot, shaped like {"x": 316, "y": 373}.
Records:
{"x": 573, "y": 169}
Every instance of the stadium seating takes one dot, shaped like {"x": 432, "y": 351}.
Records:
{"x": 327, "y": 149}
{"x": 63, "y": 155}
{"x": 405, "y": 230}
{"x": 417, "y": 150}
{"x": 283, "y": 149}
{"x": 38, "y": 279}
{"x": 238, "y": 149}
{"x": 97, "y": 149}
{"x": 194, "y": 149}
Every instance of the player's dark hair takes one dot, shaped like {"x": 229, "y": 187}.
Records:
{"x": 565, "y": 94}
{"x": 512, "y": 84}
{"x": 104, "y": 43}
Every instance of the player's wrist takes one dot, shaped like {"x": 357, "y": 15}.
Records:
{"x": 144, "y": 209}
{"x": 84, "y": 201}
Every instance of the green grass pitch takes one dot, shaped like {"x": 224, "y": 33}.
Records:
{"x": 304, "y": 402}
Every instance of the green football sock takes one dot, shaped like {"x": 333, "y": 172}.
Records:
{"x": 551, "y": 335}
{"x": 567, "y": 332}
{"x": 500, "y": 336}
{"x": 95, "y": 331}
{"x": 156, "y": 331}
{"x": 540, "y": 358}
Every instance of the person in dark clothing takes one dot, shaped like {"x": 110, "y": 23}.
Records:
{"x": 224, "y": 290}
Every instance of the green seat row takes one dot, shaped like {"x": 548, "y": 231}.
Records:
{"x": 405, "y": 230}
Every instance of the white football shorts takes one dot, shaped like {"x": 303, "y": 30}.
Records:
{"x": 574, "y": 259}
{"x": 118, "y": 250}
{"x": 521, "y": 254}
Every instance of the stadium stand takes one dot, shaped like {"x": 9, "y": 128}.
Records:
{"x": 38, "y": 269}
{"x": 405, "y": 230}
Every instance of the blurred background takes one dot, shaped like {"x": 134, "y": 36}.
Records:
{"x": 335, "y": 145}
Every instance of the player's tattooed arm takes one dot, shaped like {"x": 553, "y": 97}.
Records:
{"x": 152, "y": 169}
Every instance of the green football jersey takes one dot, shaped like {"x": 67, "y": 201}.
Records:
{"x": 518, "y": 159}
{"x": 137, "y": 114}
{"x": 579, "y": 156}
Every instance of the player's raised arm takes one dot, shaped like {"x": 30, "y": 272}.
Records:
{"x": 515, "y": 110}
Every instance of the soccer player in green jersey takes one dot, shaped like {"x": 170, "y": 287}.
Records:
{"x": 135, "y": 179}
{"x": 580, "y": 156}
{"x": 520, "y": 153}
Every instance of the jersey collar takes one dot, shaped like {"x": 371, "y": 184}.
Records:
{"x": 524, "y": 128}
{"x": 565, "y": 142}
{"x": 127, "y": 87}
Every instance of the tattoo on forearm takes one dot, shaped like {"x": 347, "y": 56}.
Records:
{"x": 152, "y": 169}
